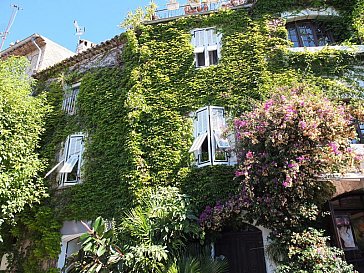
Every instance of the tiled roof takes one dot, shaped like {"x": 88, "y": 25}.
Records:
{"x": 89, "y": 53}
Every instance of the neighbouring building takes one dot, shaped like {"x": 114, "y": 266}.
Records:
{"x": 40, "y": 51}
{"x": 151, "y": 108}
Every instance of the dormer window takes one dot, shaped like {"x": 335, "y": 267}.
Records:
{"x": 69, "y": 99}
{"x": 210, "y": 146}
{"x": 308, "y": 34}
{"x": 206, "y": 43}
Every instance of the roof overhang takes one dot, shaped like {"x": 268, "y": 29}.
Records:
{"x": 24, "y": 47}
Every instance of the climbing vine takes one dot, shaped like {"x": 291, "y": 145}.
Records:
{"x": 137, "y": 115}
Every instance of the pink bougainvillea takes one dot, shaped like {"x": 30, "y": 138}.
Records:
{"x": 286, "y": 147}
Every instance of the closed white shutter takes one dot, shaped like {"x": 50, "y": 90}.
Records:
{"x": 211, "y": 38}
{"x": 200, "y": 38}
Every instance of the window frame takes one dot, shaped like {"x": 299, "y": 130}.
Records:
{"x": 207, "y": 135}
{"x": 62, "y": 258}
{"x": 70, "y": 162}
{"x": 70, "y": 99}
{"x": 208, "y": 42}
{"x": 313, "y": 26}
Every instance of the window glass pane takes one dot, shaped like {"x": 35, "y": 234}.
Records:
{"x": 220, "y": 154}
{"x": 200, "y": 59}
{"x": 213, "y": 57}
{"x": 73, "y": 246}
{"x": 204, "y": 154}
{"x": 73, "y": 175}
{"x": 322, "y": 36}
{"x": 292, "y": 36}
{"x": 217, "y": 120}
{"x": 306, "y": 34}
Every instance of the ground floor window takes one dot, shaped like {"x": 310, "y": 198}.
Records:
{"x": 347, "y": 214}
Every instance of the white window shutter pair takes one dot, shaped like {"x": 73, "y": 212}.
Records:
{"x": 206, "y": 43}
{"x": 209, "y": 143}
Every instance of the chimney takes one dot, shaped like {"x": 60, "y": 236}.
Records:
{"x": 84, "y": 45}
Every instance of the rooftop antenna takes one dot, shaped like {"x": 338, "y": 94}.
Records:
{"x": 4, "y": 34}
{"x": 79, "y": 30}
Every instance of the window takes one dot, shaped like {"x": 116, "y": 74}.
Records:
{"x": 70, "y": 244}
{"x": 210, "y": 147}
{"x": 206, "y": 46}
{"x": 69, "y": 161}
{"x": 69, "y": 99}
{"x": 308, "y": 34}
{"x": 71, "y": 156}
{"x": 71, "y": 232}
{"x": 347, "y": 212}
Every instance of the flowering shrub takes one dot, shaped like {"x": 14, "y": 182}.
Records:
{"x": 308, "y": 252}
{"x": 286, "y": 146}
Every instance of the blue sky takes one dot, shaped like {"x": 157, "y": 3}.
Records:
{"x": 54, "y": 19}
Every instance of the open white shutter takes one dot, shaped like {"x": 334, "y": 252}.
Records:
{"x": 75, "y": 145}
{"x": 200, "y": 129}
{"x": 217, "y": 116}
{"x": 69, "y": 164}
{"x": 222, "y": 143}
{"x": 202, "y": 120}
{"x": 197, "y": 143}
{"x": 53, "y": 169}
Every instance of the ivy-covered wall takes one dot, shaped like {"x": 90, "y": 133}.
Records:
{"x": 137, "y": 114}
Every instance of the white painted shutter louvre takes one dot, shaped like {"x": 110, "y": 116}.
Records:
{"x": 75, "y": 145}
{"x": 202, "y": 119}
{"x": 197, "y": 143}
{"x": 200, "y": 129}
{"x": 218, "y": 126}
{"x": 217, "y": 119}
{"x": 69, "y": 164}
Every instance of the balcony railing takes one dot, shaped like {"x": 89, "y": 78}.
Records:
{"x": 174, "y": 9}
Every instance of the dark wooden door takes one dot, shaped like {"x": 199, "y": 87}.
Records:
{"x": 243, "y": 250}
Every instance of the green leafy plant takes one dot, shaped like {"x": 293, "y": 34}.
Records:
{"x": 163, "y": 218}
{"x": 98, "y": 253}
{"x": 21, "y": 124}
{"x": 200, "y": 262}
{"x": 308, "y": 252}
{"x": 136, "y": 113}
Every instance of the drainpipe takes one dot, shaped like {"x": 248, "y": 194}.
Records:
{"x": 39, "y": 55}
